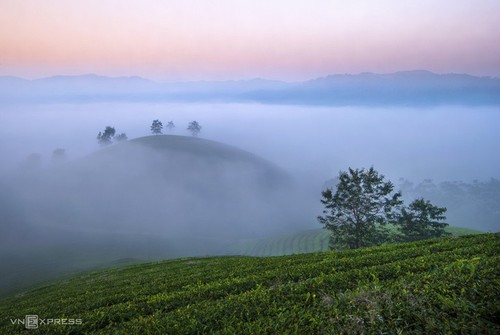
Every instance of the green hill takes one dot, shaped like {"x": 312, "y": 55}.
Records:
{"x": 448, "y": 285}
{"x": 314, "y": 240}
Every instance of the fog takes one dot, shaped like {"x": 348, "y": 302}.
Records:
{"x": 95, "y": 208}
{"x": 443, "y": 143}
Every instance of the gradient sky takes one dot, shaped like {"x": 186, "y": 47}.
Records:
{"x": 234, "y": 39}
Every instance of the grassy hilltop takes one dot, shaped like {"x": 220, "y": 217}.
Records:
{"x": 178, "y": 147}
{"x": 449, "y": 285}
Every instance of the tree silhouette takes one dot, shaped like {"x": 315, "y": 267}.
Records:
{"x": 156, "y": 127}
{"x": 170, "y": 125}
{"x": 121, "y": 137}
{"x": 361, "y": 206}
{"x": 105, "y": 137}
{"x": 194, "y": 128}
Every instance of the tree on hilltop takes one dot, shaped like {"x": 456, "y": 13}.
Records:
{"x": 156, "y": 127}
{"x": 104, "y": 138}
{"x": 170, "y": 125}
{"x": 194, "y": 128}
{"x": 121, "y": 137}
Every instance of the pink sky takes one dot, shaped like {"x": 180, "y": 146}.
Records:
{"x": 233, "y": 39}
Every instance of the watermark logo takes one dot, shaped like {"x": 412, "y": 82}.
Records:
{"x": 33, "y": 321}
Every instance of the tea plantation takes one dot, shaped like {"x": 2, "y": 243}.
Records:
{"x": 315, "y": 240}
{"x": 450, "y": 285}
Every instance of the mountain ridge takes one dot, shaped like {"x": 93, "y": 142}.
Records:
{"x": 409, "y": 88}
{"x": 400, "y": 72}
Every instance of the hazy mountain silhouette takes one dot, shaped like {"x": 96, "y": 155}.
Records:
{"x": 399, "y": 88}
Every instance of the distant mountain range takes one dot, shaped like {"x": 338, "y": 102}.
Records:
{"x": 400, "y": 88}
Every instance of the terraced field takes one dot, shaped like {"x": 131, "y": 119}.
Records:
{"x": 307, "y": 241}
{"x": 440, "y": 286}
{"x": 298, "y": 243}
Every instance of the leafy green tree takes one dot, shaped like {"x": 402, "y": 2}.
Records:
{"x": 194, "y": 128}
{"x": 156, "y": 127}
{"x": 421, "y": 220}
{"x": 357, "y": 212}
{"x": 105, "y": 137}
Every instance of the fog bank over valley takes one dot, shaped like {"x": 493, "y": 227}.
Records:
{"x": 256, "y": 170}
{"x": 441, "y": 143}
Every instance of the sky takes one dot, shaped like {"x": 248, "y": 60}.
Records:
{"x": 170, "y": 40}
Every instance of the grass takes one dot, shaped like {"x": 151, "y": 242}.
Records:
{"x": 448, "y": 285}
{"x": 315, "y": 240}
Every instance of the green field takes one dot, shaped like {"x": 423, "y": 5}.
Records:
{"x": 450, "y": 285}
{"x": 315, "y": 240}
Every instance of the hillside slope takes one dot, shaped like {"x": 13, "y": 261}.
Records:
{"x": 174, "y": 157}
{"x": 154, "y": 197}
{"x": 437, "y": 286}
{"x": 171, "y": 186}
{"x": 314, "y": 240}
